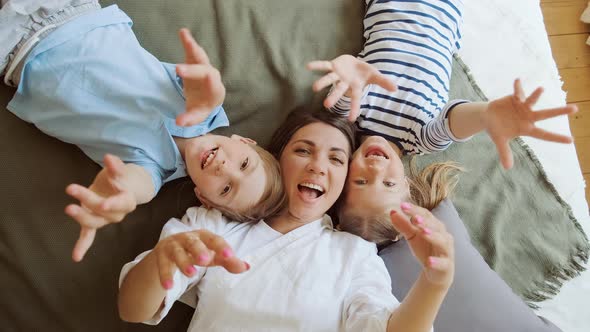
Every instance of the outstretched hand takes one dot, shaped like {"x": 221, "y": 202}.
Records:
{"x": 185, "y": 250}
{"x": 351, "y": 76}
{"x": 513, "y": 115}
{"x": 203, "y": 87}
{"x": 106, "y": 201}
{"x": 431, "y": 244}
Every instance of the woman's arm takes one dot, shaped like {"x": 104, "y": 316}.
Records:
{"x": 419, "y": 308}
{"x": 433, "y": 246}
{"x": 144, "y": 289}
{"x": 141, "y": 294}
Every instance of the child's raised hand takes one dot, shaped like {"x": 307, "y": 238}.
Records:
{"x": 203, "y": 88}
{"x": 185, "y": 250}
{"x": 351, "y": 76}
{"x": 431, "y": 244}
{"x": 513, "y": 115}
{"x": 106, "y": 201}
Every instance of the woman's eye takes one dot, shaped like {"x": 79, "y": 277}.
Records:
{"x": 389, "y": 184}
{"x": 225, "y": 190}
{"x": 303, "y": 151}
{"x": 338, "y": 160}
{"x": 360, "y": 181}
{"x": 244, "y": 164}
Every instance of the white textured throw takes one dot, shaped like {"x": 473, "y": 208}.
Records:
{"x": 506, "y": 39}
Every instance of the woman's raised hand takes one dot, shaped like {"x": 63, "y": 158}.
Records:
{"x": 350, "y": 75}
{"x": 185, "y": 250}
{"x": 513, "y": 115}
{"x": 429, "y": 240}
{"x": 203, "y": 88}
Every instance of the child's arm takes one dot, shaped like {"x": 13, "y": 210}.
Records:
{"x": 351, "y": 76}
{"x": 202, "y": 85}
{"x": 144, "y": 289}
{"x": 505, "y": 119}
{"x": 433, "y": 246}
{"x": 116, "y": 191}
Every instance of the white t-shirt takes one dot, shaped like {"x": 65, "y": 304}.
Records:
{"x": 313, "y": 278}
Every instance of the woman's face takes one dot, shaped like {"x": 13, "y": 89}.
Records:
{"x": 314, "y": 165}
{"x": 376, "y": 177}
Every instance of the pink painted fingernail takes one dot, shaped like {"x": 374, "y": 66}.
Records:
{"x": 191, "y": 270}
{"x": 227, "y": 253}
{"x": 203, "y": 258}
{"x": 427, "y": 231}
{"x": 432, "y": 261}
{"x": 419, "y": 220}
{"x": 167, "y": 284}
{"x": 406, "y": 206}
{"x": 247, "y": 266}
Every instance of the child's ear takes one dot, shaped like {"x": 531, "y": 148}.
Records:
{"x": 202, "y": 199}
{"x": 243, "y": 139}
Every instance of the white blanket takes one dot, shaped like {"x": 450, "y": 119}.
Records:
{"x": 504, "y": 40}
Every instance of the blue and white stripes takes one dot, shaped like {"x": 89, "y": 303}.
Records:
{"x": 412, "y": 41}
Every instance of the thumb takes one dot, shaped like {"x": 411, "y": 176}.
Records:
{"x": 114, "y": 165}
{"x": 193, "y": 52}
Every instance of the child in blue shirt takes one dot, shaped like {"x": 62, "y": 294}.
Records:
{"x": 83, "y": 77}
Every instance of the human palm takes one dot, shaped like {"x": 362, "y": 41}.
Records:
{"x": 430, "y": 242}
{"x": 104, "y": 202}
{"x": 203, "y": 88}
{"x": 512, "y": 116}
{"x": 350, "y": 75}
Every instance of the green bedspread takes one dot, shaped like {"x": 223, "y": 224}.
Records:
{"x": 516, "y": 220}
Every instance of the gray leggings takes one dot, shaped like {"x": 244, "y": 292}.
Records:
{"x": 21, "y": 20}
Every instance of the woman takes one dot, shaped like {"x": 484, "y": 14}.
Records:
{"x": 297, "y": 272}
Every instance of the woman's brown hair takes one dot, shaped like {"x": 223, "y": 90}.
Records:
{"x": 303, "y": 116}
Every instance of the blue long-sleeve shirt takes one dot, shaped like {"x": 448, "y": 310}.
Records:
{"x": 90, "y": 83}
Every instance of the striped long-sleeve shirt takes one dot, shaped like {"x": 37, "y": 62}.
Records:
{"x": 413, "y": 42}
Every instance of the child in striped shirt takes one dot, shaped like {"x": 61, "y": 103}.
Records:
{"x": 412, "y": 42}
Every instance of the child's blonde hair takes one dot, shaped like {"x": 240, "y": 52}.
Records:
{"x": 426, "y": 189}
{"x": 273, "y": 199}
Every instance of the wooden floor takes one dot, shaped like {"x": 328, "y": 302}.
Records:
{"x": 567, "y": 36}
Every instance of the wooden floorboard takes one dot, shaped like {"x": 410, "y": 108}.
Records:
{"x": 580, "y": 122}
{"x": 563, "y": 17}
{"x": 567, "y": 36}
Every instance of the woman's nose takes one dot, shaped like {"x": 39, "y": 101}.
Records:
{"x": 317, "y": 167}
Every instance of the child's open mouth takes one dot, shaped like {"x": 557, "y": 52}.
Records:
{"x": 376, "y": 152}
{"x": 207, "y": 157}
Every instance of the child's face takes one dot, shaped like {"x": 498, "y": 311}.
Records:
{"x": 376, "y": 178}
{"x": 227, "y": 172}
{"x": 314, "y": 165}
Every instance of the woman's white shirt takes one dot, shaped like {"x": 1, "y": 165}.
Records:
{"x": 313, "y": 278}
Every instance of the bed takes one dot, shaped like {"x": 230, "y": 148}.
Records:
{"x": 496, "y": 55}
{"x": 44, "y": 289}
